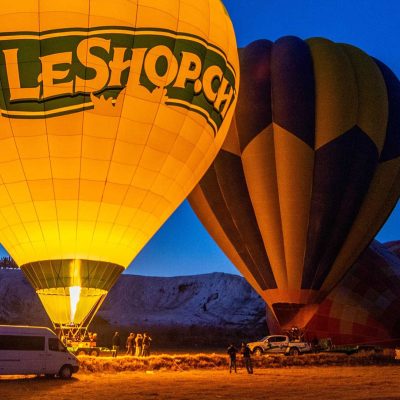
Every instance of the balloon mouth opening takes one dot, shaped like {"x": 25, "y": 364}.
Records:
{"x": 70, "y": 305}
{"x": 291, "y": 315}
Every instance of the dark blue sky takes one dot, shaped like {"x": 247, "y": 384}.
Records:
{"x": 182, "y": 246}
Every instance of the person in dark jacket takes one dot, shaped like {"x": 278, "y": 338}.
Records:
{"x": 130, "y": 344}
{"x": 116, "y": 342}
{"x": 246, "y": 353}
{"x": 146, "y": 345}
{"x": 232, "y": 350}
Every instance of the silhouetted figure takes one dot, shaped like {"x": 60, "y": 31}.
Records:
{"x": 245, "y": 351}
{"x": 116, "y": 342}
{"x": 232, "y": 350}
{"x": 146, "y": 345}
{"x": 315, "y": 344}
{"x": 138, "y": 343}
{"x": 130, "y": 344}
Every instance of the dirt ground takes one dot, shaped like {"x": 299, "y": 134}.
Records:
{"x": 317, "y": 383}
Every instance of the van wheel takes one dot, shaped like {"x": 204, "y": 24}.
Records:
{"x": 65, "y": 372}
{"x": 94, "y": 353}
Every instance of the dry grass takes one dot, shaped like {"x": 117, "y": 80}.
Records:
{"x": 184, "y": 362}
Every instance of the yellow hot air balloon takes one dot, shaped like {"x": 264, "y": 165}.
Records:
{"x": 110, "y": 114}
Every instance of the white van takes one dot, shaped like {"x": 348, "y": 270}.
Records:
{"x": 34, "y": 350}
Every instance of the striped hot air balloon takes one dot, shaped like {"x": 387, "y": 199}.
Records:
{"x": 309, "y": 172}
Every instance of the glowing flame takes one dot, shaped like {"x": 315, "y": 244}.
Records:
{"x": 74, "y": 296}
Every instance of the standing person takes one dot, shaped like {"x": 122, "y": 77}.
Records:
{"x": 146, "y": 345}
{"x": 116, "y": 342}
{"x": 245, "y": 351}
{"x": 129, "y": 344}
{"x": 138, "y": 343}
{"x": 232, "y": 350}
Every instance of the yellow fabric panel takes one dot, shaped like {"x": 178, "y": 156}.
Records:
{"x": 19, "y": 190}
{"x": 126, "y": 154}
{"x": 12, "y": 171}
{"x": 32, "y": 146}
{"x": 294, "y": 168}
{"x": 207, "y": 217}
{"x": 372, "y": 95}
{"x": 18, "y": 127}
{"x": 21, "y": 15}
{"x": 41, "y": 190}
{"x": 336, "y": 102}
{"x": 201, "y": 11}
{"x": 10, "y": 215}
{"x": 71, "y": 137}
{"x": 9, "y": 150}
{"x": 59, "y": 171}
{"x": 94, "y": 170}
{"x": 5, "y": 199}
{"x": 97, "y": 148}
{"x": 258, "y": 160}
{"x": 26, "y": 212}
{"x": 164, "y": 10}
{"x": 46, "y": 210}
{"x": 378, "y": 204}
{"x": 121, "y": 12}
{"x": 66, "y": 189}
{"x": 36, "y": 168}
{"x": 66, "y": 146}
{"x": 70, "y": 10}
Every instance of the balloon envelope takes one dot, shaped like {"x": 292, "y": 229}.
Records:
{"x": 110, "y": 114}
{"x": 309, "y": 172}
{"x": 363, "y": 307}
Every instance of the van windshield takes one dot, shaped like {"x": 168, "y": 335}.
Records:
{"x": 56, "y": 345}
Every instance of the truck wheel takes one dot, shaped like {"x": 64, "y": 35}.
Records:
{"x": 94, "y": 353}
{"x": 81, "y": 353}
{"x": 65, "y": 372}
{"x": 258, "y": 351}
{"x": 294, "y": 351}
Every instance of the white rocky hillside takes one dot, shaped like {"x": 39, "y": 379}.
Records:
{"x": 218, "y": 300}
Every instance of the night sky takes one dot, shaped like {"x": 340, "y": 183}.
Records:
{"x": 182, "y": 246}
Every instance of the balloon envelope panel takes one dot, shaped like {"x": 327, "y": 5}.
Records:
{"x": 310, "y": 169}
{"x": 363, "y": 306}
{"x": 110, "y": 114}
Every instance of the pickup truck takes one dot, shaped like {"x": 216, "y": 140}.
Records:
{"x": 276, "y": 344}
{"x": 87, "y": 349}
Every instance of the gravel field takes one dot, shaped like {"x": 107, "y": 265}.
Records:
{"x": 317, "y": 383}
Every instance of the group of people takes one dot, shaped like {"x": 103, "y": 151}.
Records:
{"x": 136, "y": 344}
{"x": 246, "y": 354}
